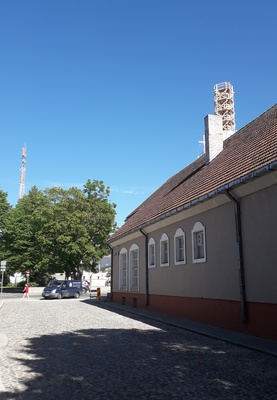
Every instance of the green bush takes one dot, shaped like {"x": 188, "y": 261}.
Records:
{"x": 32, "y": 284}
{"x": 5, "y": 280}
{"x": 21, "y": 284}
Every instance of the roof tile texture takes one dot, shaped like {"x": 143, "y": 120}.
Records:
{"x": 249, "y": 149}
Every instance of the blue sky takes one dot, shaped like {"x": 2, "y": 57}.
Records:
{"x": 117, "y": 90}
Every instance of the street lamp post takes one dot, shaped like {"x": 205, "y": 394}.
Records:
{"x": 3, "y": 269}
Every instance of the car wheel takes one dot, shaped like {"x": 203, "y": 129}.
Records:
{"x": 77, "y": 295}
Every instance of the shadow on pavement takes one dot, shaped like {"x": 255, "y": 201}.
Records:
{"x": 154, "y": 362}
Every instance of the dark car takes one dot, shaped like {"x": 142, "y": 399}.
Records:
{"x": 59, "y": 289}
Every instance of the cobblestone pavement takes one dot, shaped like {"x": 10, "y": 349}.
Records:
{"x": 83, "y": 349}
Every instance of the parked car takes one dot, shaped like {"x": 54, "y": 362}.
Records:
{"x": 55, "y": 282}
{"x": 59, "y": 289}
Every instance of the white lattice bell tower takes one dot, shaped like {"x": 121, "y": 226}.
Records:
{"x": 224, "y": 106}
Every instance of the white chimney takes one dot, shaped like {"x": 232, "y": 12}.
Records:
{"x": 213, "y": 136}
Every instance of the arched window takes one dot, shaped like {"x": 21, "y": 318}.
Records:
{"x": 151, "y": 253}
{"x": 164, "y": 250}
{"x": 134, "y": 267}
{"x": 198, "y": 243}
{"x": 179, "y": 247}
{"x": 123, "y": 269}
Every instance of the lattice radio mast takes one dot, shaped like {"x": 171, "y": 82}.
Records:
{"x": 22, "y": 172}
{"x": 224, "y": 106}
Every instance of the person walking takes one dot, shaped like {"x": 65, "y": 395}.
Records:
{"x": 25, "y": 291}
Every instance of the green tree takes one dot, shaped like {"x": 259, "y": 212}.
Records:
{"x": 22, "y": 235}
{"x": 4, "y": 209}
{"x": 80, "y": 227}
{"x": 58, "y": 230}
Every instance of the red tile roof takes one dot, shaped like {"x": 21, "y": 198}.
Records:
{"x": 248, "y": 150}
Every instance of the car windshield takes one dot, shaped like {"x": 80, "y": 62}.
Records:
{"x": 54, "y": 282}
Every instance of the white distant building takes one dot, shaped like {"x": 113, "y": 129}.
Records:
{"x": 105, "y": 263}
{"x": 99, "y": 278}
{"x": 17, "y": 278}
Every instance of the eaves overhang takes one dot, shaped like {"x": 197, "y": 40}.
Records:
{"x": 205, "y": 197}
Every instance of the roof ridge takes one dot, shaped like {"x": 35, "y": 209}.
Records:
{"x": 251, "y": 148}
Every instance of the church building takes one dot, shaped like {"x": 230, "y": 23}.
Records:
{"x": 203, "y": 246}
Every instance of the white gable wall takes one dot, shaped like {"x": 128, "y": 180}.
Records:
{"x": 213, "y": 136}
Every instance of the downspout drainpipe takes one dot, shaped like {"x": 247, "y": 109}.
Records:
{"x": 241, "y": 261}
{"x": 146, "y": 269}
{"x": 111, "y": 271}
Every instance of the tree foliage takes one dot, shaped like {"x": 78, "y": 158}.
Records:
{"x": 58, "y": 230}
{"x": 4, "y": 208}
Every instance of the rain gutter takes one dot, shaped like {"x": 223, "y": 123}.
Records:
{"x": 243, "y": 302}
{"x": 111, "y": 271}
{"x": 146, "y": 269}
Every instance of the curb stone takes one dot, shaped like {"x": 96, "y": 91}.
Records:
{"x": 3, "y": 340}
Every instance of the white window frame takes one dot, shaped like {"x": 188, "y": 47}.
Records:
{"x": 198, "y": 239}
{"x": 179, "y": 236}
{"x": 151, "y": 253}
{"x": 134, "y": 267}
{"x": 123, "y": 268}
{"x": 164, "y": 250}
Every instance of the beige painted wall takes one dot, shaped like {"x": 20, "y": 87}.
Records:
{"x": 140, "y": 241}
{"x": 218, "y": 278}
{"x": 259, "y": 227}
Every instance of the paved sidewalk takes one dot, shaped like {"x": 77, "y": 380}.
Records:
{"x": 84, "y": 348}
{"x": 247, "y": 341}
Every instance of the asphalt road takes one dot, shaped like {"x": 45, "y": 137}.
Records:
{"x": 18, "y": 296}
{"x": 84, "y": 349}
